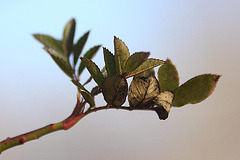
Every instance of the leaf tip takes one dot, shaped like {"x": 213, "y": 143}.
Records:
{"x": 106, "y": 49}
{"x": 99, "y": 46}
{"x": 119, "y": 40}
{"x": 36, "y": 35}
{"x": 216, "y": 77}
{"x": 72, "y": 20}
{"x": 116, "y": 40}
{"x": 168, "y": 60}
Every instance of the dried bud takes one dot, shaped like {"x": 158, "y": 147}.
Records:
{"x": 115, "y": 89}
{"x": 142, "y": 92}
{"x": 164, "y": 102}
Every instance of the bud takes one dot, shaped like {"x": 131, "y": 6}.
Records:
{"x": 115, "y": 89}
{"x": 164, "y": 102}
{"x": 142, "y": 92}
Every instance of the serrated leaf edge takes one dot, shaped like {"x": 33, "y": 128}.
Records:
{"x": 130, "y": 75}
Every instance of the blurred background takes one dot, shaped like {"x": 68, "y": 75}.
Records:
{"x": 199, "y": 36}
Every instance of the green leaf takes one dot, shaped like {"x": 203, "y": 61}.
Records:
{"x": 146, "y": 73}
{"x": 109, "y": 62}
{"x": 168, "y": 76}
{"x": 121, "y": 55}
{"x": 79, "y": 46}
{"x": 95, "y": 91}
{"x": 85, "y": 93}
{"x": 135, "y": 60}
{"x": 104, "y": 73}
{"x": 88, "y": 97}
{"x": 115, "y": 90}
{"x": 68, "y": 36}
{"x": 195, "y": 90}
{"x": 148, "y": 64}
{"x": 49, "y": 42}
{"x": 61, "y": 61}
{"x": 94, "y": 71}
{"x": 142, "y": 92}
{"x": 89, "y": 55}
{"x": 89, "y": 80}
{"x": 79, "y": 85}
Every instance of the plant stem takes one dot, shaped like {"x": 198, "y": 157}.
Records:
{"x": 36, "y": 134}
{"x": 114, "y": 107}
{"x": 21, "y": 139}
{"x": 63, "y": 125}
{"x": 66, "y": 124}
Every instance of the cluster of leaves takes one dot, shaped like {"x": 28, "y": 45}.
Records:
{"x": 121, "y": 66}
{"x": 66, "y": 54}
{"x": 162, "y": 94}
{"x": 145, "y": 91}
{"x": 63, "y": 50}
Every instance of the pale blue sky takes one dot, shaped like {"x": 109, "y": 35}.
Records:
{"x": 200, "y": 36}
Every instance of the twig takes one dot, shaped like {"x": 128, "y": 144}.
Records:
{"x": 66, "y": 124}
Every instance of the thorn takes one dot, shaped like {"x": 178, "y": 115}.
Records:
{"x": 22, "y": 140}
{"x": 7, "y": 139}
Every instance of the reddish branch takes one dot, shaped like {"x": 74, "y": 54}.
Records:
{"x": 36, "y": 134}
{"x": 66, "y": 124}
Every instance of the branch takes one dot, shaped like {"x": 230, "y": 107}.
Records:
{"x": 66, "y": 124}
{"x": 21, "y": 139}
{"x": 36, "y": 134}
{"x": 114, "y": 107}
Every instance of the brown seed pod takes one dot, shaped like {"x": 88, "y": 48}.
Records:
{"x": 115, "y": 89}
{"x": 142, "y": 92}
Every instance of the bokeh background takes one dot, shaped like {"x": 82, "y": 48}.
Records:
{"x": 200, "y": 36}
